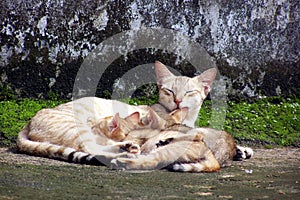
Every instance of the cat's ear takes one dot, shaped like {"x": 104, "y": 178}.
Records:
{"x": 161, "y": 72}
{"x": 115, "y": 123}
{"x": 206, "y": 79}
{"x": 134, "y": 118}
{"x": 179, "y": 115}
{"x": 151, "y": 119}
{"x": 154, "y": 119}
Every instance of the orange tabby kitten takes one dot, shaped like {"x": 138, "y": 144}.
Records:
{"x": 216, "y": 145}
{"x": 221, "y": 144}
{"x": 115, "y": 129}
{"x": 173, "y": 150}
{"x": 161, "y": 148}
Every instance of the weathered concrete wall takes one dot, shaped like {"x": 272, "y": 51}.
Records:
{"x": 43, "y": 42}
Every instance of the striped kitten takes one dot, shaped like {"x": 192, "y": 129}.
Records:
{"x": 114, "y": 128}
{"x": 215, "y": 148}
{"x": 173, "y": 150}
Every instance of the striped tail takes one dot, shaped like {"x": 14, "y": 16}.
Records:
{"x": 45, "y": 149}
{"x": 206, "y": 163}
{"x": 188, "y": 167}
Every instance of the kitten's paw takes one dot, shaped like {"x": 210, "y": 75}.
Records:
{"x": 131, "y": 147}
{"x": 134, "y": 149}
{"x": 243, "y": 153}
{"x": 91, "y": 121}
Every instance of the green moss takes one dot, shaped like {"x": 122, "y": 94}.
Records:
{"x": 14, "y": 114}
{"x": 143, "y": 100}
{"x": 268, "y": 122}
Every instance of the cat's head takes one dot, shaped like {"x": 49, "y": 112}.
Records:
{"x": 181, "y": 91}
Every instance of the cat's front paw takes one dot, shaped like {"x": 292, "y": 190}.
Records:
{"x": 134, "y": 149}
{"x": 131, "y": 147}
{"x": 243, "y": 153}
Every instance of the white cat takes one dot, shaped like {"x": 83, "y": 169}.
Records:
{"x": 181, "y": 91}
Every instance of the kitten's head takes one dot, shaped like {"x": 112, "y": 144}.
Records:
{"x": 117, "y": 128}
{"x": 176, "y": 117}
{"x": 154, "y": 121}
{"x": 181, "y": 91}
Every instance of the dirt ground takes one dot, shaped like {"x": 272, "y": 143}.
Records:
{"x": 262, "y": 158}
{"x": 270, "y": 174}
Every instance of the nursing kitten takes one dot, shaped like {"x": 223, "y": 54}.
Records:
{"x": 173, "y": 150}
{"x": 217, "y": 145}
{"x": 157, "y": 125}
{"x": 116, "y": 129}
{"x": 221, "y": 144}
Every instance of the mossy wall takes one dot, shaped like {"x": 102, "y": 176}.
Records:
{"x": 43, "y": 43}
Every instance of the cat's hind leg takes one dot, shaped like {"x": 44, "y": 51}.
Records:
{"x": 180, "y": 152}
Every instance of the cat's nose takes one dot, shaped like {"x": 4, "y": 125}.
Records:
{"x": 177, "y": 101}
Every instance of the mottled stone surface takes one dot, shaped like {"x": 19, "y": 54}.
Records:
{"x": 43, "y": 43}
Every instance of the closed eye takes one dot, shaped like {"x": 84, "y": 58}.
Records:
{"x": 168, "y": 91}
{"x": 191, "y": 92}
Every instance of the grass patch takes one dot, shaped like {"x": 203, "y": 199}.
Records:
{"x": 268, "y": 122}
{"x": 14, "y": 114}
